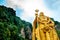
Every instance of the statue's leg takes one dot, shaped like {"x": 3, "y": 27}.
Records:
{"x": 55, "y": 36}
{"x": 38, "y": 34}
{"x": 51, "y": 35}
{"x": 47, "y": 36}
{"x": 42, "y": 35}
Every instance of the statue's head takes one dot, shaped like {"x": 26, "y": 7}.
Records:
{"x": 41, "y": 14}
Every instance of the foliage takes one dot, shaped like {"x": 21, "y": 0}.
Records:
{"x": 10, "y": 24}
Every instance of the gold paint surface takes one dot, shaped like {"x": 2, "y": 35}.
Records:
{"x": 43, "y": 28}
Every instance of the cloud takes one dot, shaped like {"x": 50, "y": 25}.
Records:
{"x": 29, "y": 7}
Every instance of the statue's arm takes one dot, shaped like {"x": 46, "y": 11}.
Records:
{"x": 51, "y": 24}
{"x": 39, "y": 20}
{"x": 35, "y": 21}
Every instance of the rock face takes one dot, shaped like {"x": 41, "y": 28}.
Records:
{"x": 26, "y": 33}
{"x": 22, "y": 32}
{"x": 29, "y": 32}
{"x": 58, "y": 29}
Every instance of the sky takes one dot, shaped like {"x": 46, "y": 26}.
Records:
{"x": 25, "y": 9}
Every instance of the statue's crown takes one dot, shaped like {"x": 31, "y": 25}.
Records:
{"x": 41, "y": 14}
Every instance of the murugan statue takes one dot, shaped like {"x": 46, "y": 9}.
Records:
{"x": 43, "y": 28}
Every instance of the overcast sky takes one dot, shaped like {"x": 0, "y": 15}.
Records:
{"x": 25, "y": 9}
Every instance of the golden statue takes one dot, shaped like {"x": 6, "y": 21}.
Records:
{"x": 43, "y": 28}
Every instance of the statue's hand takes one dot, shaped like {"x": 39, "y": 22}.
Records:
{"x": 46, "y": 29}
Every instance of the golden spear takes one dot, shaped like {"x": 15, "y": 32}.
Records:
{"x": 35, "y": 25}
{"x": 36, "y": 14}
